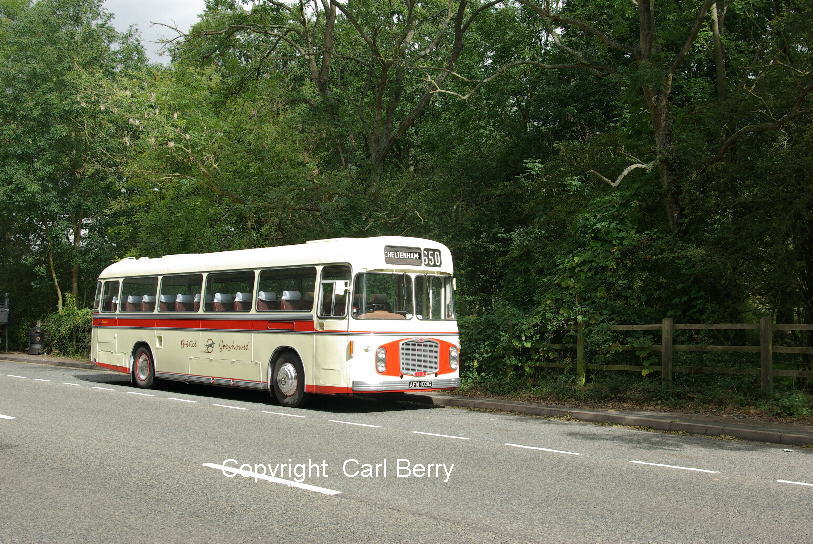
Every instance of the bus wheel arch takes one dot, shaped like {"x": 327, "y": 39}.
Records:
{"x": 142, "y": 373}
{"x": 286, "y": 377}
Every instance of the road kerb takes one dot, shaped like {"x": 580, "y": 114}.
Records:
{"x": 620, "y": 418}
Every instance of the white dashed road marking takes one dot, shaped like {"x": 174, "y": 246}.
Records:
{"x": 16, "y": 376}
{"x": 231, "y": 472}
{"x": 228, "y": 406}
{"x": 103, "y": 388}
{"x": 794, "y": 483}
{"x": 281, "y": 414}
{"x": 182, "y": 400}
{"x": 69, "y": 383}
{"x": 542, "y": 449}
{"x": 352, "y": 423}
{"x": 41, "y": 380}
{"x": 675, "y": 466}
{"x": 140, "y": 393}
{"x": 442, "y": 435}
{"x": 7, "y": 417}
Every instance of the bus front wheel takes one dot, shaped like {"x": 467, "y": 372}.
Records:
{"x": 287, "y": 380}
{"x": 143, "y": 368}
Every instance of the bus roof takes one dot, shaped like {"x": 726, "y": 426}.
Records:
{"x": 375, "y": 253}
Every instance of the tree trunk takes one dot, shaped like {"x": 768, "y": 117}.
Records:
{"x": 52, "y": 269}
{"x": 719, "y": 53}
{"x": 77, "y": 242}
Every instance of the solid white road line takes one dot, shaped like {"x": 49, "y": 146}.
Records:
{"x": 257, "y": 476}
{"x": 794, "y": 483}
{"x": 140, "y": 393}
{"x": 7, "y": 417}
{"x": 182, "y": 400}
{"x": 352, "y": 423}
{"x": 41, "y": 380}
{"x": 69, "y": 383}
{"x": 228, "y": 406}
{"x": 281, "y": 414}
{"x": 675, "y": 466}
{"x": 541, "y": 449}
{"x": 103, "y": 388}
{"x": 442, "y": 435}
{"x": 16, "y": 376}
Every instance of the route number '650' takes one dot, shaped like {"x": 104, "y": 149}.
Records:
{"x": 431, "y": 257}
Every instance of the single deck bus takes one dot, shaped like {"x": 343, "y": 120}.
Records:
{"x": 346, "y": 315}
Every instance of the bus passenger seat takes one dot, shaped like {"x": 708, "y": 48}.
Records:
{"x": 222, "y": 302}
{"x": 267, "y": 301}
{"x": 148, "y": 303}
{"x": 133, "y": 303}
{"x": 242, "y": 302}
{"x": 196, "y": 303}
{"x": 307, "y": 301}
{"x": 114, "y": 304}
{"x": 290, "y": 300}
{"x": 183, "y": 303}
{"x": 166, "y": 303}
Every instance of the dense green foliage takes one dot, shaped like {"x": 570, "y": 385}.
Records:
{"x": 605, "y": 161}
{"x": 68, "y": 332}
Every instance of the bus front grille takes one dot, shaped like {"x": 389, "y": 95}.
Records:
{"x": 419, "y": 356}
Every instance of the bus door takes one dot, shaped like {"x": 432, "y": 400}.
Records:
{"x": 331, "y": 323}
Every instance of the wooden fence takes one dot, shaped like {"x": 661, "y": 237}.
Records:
{"x": 667, "y": 347}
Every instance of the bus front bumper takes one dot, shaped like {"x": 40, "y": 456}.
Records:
{"x": 415, "y": 384}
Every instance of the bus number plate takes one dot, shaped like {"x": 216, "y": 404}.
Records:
{"x": 431, "y": 257}
{"x": 422, "y": 383}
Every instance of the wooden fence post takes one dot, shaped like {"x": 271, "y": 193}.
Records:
{"x": 766, "y": 354}
{"x": 667, "y": 328}
{"x": 581, "y": 367}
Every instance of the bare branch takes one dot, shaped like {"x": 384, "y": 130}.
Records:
{"x": 648, "y": 166}
{"x": 180, "y": 34}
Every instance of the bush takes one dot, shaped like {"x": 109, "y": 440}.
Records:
{"x": 793, "y": 403}
{"x": 68, "y": 332}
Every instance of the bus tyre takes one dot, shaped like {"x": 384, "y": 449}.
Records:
{"x": 287, "y": 380}
{"x": 143, "y": 368}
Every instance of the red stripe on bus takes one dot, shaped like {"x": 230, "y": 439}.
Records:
{"x": 207, "y": 324}
{"x": 327, "y": 389}
{"x": 115, "y": 368}
{"x": 241, "y": 324}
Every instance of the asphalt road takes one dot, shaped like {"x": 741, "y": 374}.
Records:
{"x": 85, "y": 457}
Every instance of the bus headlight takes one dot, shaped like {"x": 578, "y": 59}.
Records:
{"x": 381, "y": 360}
{"x": 453, "y": 358}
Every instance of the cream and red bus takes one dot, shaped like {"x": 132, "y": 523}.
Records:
{"x": 345, "y": 315}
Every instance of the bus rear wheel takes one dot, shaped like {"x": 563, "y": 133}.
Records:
{"x": 287, "y": 380}
{"x": 143, "y": 368}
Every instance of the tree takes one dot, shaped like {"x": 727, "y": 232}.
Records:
{"x": 58, "y": 168}
{"x": 656, "y": 56}
{"x": 354, "y": 63}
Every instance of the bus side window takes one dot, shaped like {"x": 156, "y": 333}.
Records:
{"x": 178, "y": 292}
{"x": 110, "y": 296}
{"x": 135, "y": 290}
{"x": 229, "y": 291}
{"x": 97, "y": 298}
{"x": 334, "y": 287}
{"x": 286, "y": 289}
